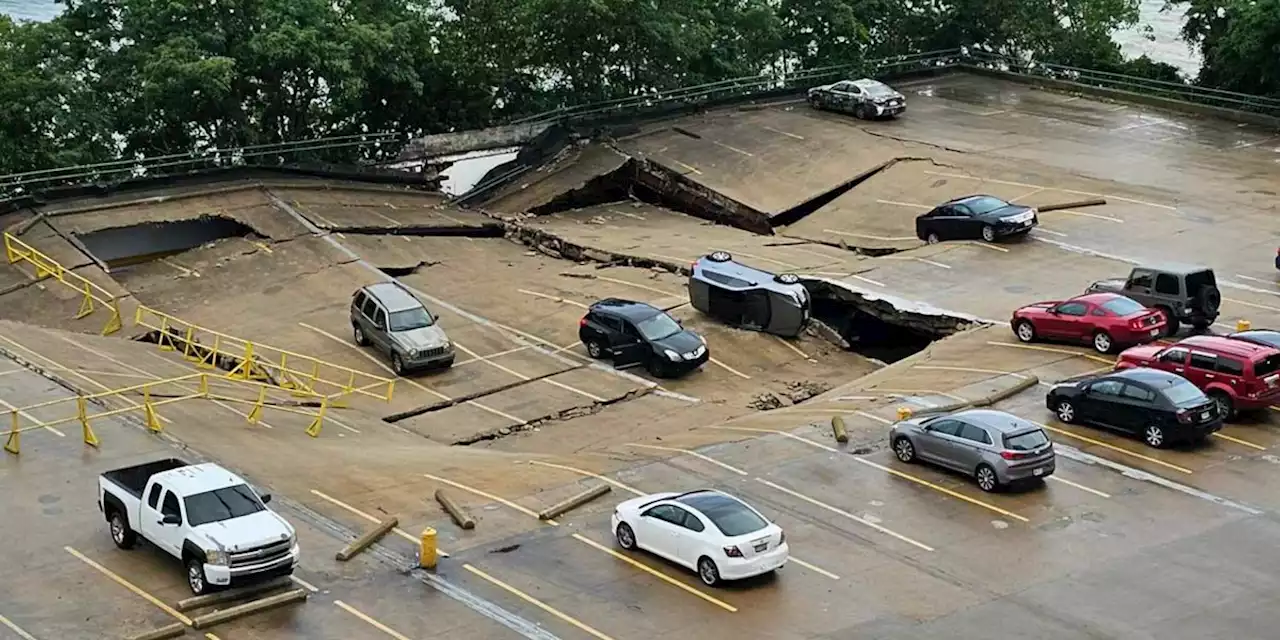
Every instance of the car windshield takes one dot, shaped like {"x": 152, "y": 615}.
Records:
{"x": 222, "y": 504}
{"x": 985, "y": 204}
{"x": 1184, "y": 394}
{"x": 1028, "y": 441}
{"x": 411, "y": 319}
{"x": 1123, "y": 306}
{"x": 658, "y": 326}
{"x": 733, "y": 518}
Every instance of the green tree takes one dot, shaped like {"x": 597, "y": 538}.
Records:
{"x": 1239, "y": 41}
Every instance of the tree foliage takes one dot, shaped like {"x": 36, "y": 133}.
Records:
{"x": 123, "y": 78}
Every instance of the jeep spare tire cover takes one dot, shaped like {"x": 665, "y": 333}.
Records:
{"x": 787, "y": 278}
{"x": 1208, "y": 299}
{"x": 720, "y": 256}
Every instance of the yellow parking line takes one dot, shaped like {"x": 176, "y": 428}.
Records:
{"x": 263, "y": 246}
{"x": 984, "y": 245}
{"x": 1251, "y": 304}
{"x": 924, "y": 391}
{"x": 16, "y": 629}
{"x": 996, "y": 372}
{"x": 775, "y": 432}
{"x": 1079, "y": 486}
{"x": 554, "y": 298}
{"x": 489, "y": 496}
{"x": 1219, "y": 434}
{"x": 690, "y": 452}
{"x": 492, "y": 355}
{"x": 689, "y": 167}
{"x": 839, "y": 511}
{"x": 1069, "y": 352}
{"x": 813, "y": 568}
{"x": 1112, "y": 447}
{"x": 604, "y": 479}
{"x": 32, "y": 419}
{"x": 874, "y": 417}
{"x": 130, "y": 586}
{"x": 370, "y": 621}
{"x": 731, "y": 369}
{"x": 538, "y": 603}
{"x": 398, "y": 531}
{"x": 657, "y": 574}
{"x": 790, "y": 346}
{"x": 304, "y": 584}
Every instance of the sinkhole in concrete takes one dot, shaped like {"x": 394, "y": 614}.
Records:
{"x": 877, "y": 327}
{"x": 120, "y": 247}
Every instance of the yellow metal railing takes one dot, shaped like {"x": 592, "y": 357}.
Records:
{"x": 16, "y": 251}
{"x": 154, "y": 394}
{"x": 253, "y": 361}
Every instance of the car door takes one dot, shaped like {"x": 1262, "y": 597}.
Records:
{"x": 1140, "y": 406}
{"x": 1102, "y": 405}
{"x": 368, "y": 309}
{"x": 949, "y": 222}
{"x": 839, "y": 96}
{"x": 1140, "y": 284}
{"x": 691, "y": 539}
{"x": 170, "y": 536}
{"x": 969, "y": 445}
{"x": 936, "y": 440}
{"x": 379, "y": 336}
{"x": 659, "y": 531}
{"x": 1173, "y": 360}
{"x": 602, "y": 329}
{"x": 1067, "y": 321}
{"x": 629, "y": 349}
{"x": 1201, "y": 369}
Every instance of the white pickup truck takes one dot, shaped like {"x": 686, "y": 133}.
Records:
{"x": 202, "y": 514}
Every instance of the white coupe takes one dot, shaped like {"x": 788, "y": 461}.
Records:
{"x": 717, "y": 535}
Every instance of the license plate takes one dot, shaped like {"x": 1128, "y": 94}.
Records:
{"x": 1155, "y": 332}
{"x": 1038, "y": 472}
{"x": 1204, "y": 415}
{"x": 762, "y": 547}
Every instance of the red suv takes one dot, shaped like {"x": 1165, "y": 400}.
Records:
{"x": 1238, "y": 375}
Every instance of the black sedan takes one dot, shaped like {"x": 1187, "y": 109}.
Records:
{"x": 973, "y": 217}
{"x": 1157, "y": 406}
{"x": 638, "y": 334}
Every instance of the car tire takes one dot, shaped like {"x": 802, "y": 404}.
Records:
{"x": 397, "y": 364}
{"x": 1171, "y": 323}
{"x": 904, "y": 450}
{"x": 1065, "y": 411}
{"x": 815, "y": 101}
{"x": 1102, "y": 342}
{"x": 988, "y": 233}
{"x": 357, "y": 334}
{"x": 1155, "y": 437}
{"x": 1226, "y": 407}
{"x": 121, "y": 534}
{"x": 1025, "y": 331}
{"x": 932, "y": 238}
{"x": 626, "y": 536}
{"x": 986, "y": 477}
{"x": 1201, "y": 326}
{"x": 787, "y": 278}
{"x": 595, "y": 349}
{"x": 657, "y": 368}
{"x": 195, "y": 577}
{"x": 708, "y": 572}
{"x": 720, "y": 256}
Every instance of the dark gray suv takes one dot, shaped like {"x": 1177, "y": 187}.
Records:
{"x": 390, "y": 319}
{"x": 748, "y": 298}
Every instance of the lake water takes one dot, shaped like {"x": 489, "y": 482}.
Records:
{"x": 1166, "y": 46}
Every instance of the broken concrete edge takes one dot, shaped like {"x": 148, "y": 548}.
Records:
{"x": 573, "y": 502}
{"x": 239, "y": 611}
{"x": 457, "y": 513}
{"x": 911, "y": 314}
{"x": 163, "y": 633}
{"x": 570, "y": 413}
{"x": 984, "y": 401}
{"x": 1091, "y": 202}
{"x": 463, "y": 399}
{"x": 26, "y": 225}
{"x": 219, "y": 597}
{"x": 367, "y": 538}
{"x": 800, "y": 211}
{"x": 838, "y": 429}
{"x": 477, "y": 230}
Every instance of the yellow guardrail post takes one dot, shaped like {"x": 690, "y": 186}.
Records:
{"x": 313, "y": 429}
{"x": 340, "y": 398}
{"x": 210, "y": 359}
{"x": 113, "y": 323}
{"x": 165, "y": 340}
{"x": 242, "y": 370}
{"x": 10, "y": 253}
{"x": 204, "y": 385}
{"x": 189, "y": 345}
{"x": 13, "y": 444}
{"x": 82, "y": 412}
{"x": 153, "y": 420}
{"x": 86, "y": 303}
{"x": 256, "y": 413}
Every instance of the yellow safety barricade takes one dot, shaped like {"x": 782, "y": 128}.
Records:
{"x": 16, "y": 251}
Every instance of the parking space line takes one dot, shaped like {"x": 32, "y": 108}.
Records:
{"x": 1032, "y": 186}
{"x": 522, "y": 376}
{"x": 1219, "y": 434}
{"x": 638, "y": 286}
{"x": 1069, "y": 352}
{"x": 11, "y": 371}
{"x": 16, "y": 629}
{"x": 866, "y": 280}
{"x": 583, "y": 472}
{"x": 917, "y": 392}
{"x": 547, "y": 296}
{"x": 934, "y": 367}
{"x": 136, "y": 590}
{"x": 32, "y": 419}
{"x": 1105, "y": 445}
{"x": 780, "y": 263}
{"x": 912, "y": 205}
{"x": 790, "y": 346}
{"x": 985, "y": 245}
{"x": 734, "y": 149}
{"x": 1079, "y": 486}
{"x": 690, "y": 452}
{"x": 842, "y": 512}
{"x": 870, "y": 237}
{"x": 932, "y": 263}
{"x": 687, "y": 166}
{"x": 1042, "y": 229}
{"x": 730, "y": 369}
{"x": 1029, "y": 194}
{"x": 304, "y": 584}
{"x": 490, "y": 356}
{"x": 780, "y": 132}
{"x": 370, "y": 621}
{"x": 657, "y": 574}
{"x": 1085, "y": 214}
{"x": 129, "y": 403}
{"x": 489, "y": 496}
{"x": 537, "y": 603}
{"x": 816, "y": 569}
{"x": 1238, "y": 275}
{"x": 398, "y": 531}
{"x": 1251, "y": 304}
{"x": 874, "y": 417}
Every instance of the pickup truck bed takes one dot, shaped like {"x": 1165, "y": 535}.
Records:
{"x": 134, "y": 479}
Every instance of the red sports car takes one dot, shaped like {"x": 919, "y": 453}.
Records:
{"x": 1103, "y": 319}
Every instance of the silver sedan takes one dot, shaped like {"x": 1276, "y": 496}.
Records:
{"x": 994, "y": 447}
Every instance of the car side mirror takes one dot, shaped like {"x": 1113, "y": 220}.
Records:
{"x": 266, "y": 497}
{"x": 171, "y": 519}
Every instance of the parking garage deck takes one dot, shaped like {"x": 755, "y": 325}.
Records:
{"x": 1122, "y": 541}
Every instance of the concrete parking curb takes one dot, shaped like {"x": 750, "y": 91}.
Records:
{"x": 163, "y": 633}
{"x": 367, "y": 538}
{"x": 240, "y": 611}
{"x": 1091, "y": 202}
{"x": 984, "y": 401}
{"x": 198, "y": 602}
{"x": 839, "y": 430}
{"x": 571, "y": 503}
{"x": 456, "y": 512}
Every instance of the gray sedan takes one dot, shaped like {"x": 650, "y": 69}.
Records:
{"x": 994, "y": 447}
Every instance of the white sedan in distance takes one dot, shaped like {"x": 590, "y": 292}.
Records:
{"x": 712, "y": 533}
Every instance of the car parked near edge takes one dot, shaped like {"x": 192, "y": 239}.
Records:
{"x": 712, "y": 533}
{"x": 396, "y": 324}
{"x": 1158, "y": 406}
{"x": 1264, "y": 337}
{"x": 748, "y": 298}
{"x": 975, "y": 217}
{"x": 1104, "y": 320}
{"x": 638, "y": 334}
{"x": 864, "y": 98}
{"x": 994, "y": 447}
{"x": 1238, "y": 375}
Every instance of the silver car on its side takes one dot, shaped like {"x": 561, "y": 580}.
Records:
{"x": 390, "y": 319}
{"x": 994, "y": 447}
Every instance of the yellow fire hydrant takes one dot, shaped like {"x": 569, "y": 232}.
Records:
{"x": 427, "y": 549}
{"x": 1242, "y": 325}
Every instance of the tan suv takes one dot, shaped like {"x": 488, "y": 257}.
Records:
{"x": 397, "y": 325}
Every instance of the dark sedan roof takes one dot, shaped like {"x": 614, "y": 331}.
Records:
{"x": 1151, "y": 377}
{"x": 629, "y": 309}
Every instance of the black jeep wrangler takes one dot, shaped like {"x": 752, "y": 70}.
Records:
{"x": 1185, "y": 293}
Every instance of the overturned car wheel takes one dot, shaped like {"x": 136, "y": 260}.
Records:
{"x": 720, "y": 256}
{"x": 787, "y": 278}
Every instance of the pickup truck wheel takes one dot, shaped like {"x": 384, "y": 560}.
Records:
{"x": 121, "y": 534}
{"x": 195, "y": 577}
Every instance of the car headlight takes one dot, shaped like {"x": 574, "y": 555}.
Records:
{"x": 217, "y": 557}
{"x": 671, "y": 355}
